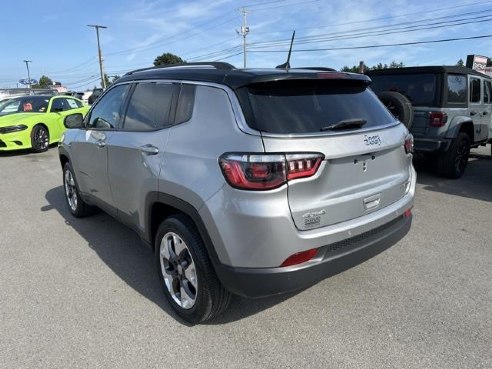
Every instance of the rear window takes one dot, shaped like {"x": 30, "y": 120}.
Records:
{"x": 303, "y": 106}
{"x": 420, "y": 89}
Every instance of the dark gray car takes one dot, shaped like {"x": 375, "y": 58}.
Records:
{"x": 253, "y": 182}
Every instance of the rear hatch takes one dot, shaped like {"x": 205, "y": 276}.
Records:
{"x": 365, "y": 166}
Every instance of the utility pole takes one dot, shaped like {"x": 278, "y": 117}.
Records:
{"x": 28, "y": 74}
{"x": 243, "y": 32}
{"x": 96, "y": 26}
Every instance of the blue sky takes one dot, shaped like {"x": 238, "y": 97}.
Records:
{"x": 54, "y": 34}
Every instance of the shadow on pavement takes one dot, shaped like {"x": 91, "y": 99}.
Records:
{"x": 125, "y": 254}
{"x": 475, "y": 184}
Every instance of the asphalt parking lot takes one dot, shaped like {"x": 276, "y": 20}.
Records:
{"x": 83, "y": 293}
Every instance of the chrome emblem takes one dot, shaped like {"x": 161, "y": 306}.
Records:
{"x": 313, "y": 218}
{"x": 372, "y": 140}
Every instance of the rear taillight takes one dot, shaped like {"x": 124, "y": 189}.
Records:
{"x": 437, "y": 118}
{"x": 300, "y": 257}
{"x": 267, "y": 171}
{"x": 408, "y": 144}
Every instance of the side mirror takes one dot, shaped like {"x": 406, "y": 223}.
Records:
{"x": 73, "y": 121}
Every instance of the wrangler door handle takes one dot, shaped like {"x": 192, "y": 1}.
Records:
{"x": 472, "y": 113}
{"x": 149, "y": 150}
{"x": 100, "y": 144}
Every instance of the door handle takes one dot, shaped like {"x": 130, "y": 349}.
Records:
{"x": 149, "y": 150}
{"x": 100, "y": 144}
{"x": 472, "y": 113}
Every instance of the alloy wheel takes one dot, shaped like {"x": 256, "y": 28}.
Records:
{"x": 70, "y": 190}
{"x": 178, "y": 270}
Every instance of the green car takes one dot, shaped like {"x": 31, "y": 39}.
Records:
{"x": 36, "y": 121}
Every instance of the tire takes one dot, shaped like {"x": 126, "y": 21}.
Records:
{"x": 452, "y": 163}
{"x": 399, "y": 106}
{"x": 186, "y": 273}
{"x": 40, "y": 138}
{"x": 76, "y": 205}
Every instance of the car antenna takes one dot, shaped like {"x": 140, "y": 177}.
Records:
{"x": 286, "y": 65}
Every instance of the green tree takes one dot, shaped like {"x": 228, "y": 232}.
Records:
{"x": 109, "y": 80}
{"x": 44, "y": 82}
{"x": 355, "y": 68}
{"x": 168, "y": 58}
{"x": 460, "y": 63}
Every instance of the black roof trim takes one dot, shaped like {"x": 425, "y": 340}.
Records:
{"x": 426, "y": 69}
{"x": 232, "y": 77}
{"x": 216, "y": 65}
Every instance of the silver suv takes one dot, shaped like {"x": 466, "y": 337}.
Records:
{"x": 252, "y": 182}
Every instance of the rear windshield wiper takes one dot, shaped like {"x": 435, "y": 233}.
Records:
{"x": 345, "y": 124}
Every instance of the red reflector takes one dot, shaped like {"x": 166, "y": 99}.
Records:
{"x": 407, "y": 213}
{"x": 409, "y": 144}
{"x": 300, "y": 257}
{"x": 437, "y": 118}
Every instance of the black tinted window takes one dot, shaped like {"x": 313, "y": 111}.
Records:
{"x": 487, "y": 92}
{"x": 474, "y": 90}
{"x": 309, "y": 106}
{"x": 149, "y": 107}
{"x": 186, "y": 102}
{"x": 456, "y": 88}
{"x": 420, "y": 89}
{"x": 107, "y": 112}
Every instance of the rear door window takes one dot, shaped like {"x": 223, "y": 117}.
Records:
{"x": 307, "y": 106}
{"x": 474, "y": 90}
{"x": 487, "y": 92}
{"x": 149, "y": 107}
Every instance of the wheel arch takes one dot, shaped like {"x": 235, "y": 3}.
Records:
{"x": 461, "y": 124}
{"x": 160, "y": 206}
{"x": 63, "y": 156}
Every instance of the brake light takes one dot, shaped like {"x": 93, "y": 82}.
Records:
{"x": 437, "y": 118}
{"x": 267, "y": 171}
{"x": 300, "y": 257}
{"x": 333, "y": 75}
{"x": 408, "y": 144}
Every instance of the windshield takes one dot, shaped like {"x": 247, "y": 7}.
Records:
{"x": 303, "y": 106}
{"x": 25, "y": 104}
{"x": 420, "y": 89}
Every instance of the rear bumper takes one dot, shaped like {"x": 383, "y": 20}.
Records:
{"x": 330, "y": 260}
{"x": 426, "y": 145}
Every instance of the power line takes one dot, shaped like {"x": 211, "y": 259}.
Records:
{"x": 376, "y": 46}
{"x": 327, "y": 38}
{"x": 438, "y": 10}
{"x": 345, "y": 35}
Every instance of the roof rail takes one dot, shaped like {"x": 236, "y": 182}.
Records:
{"x": 216, "y": 65}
